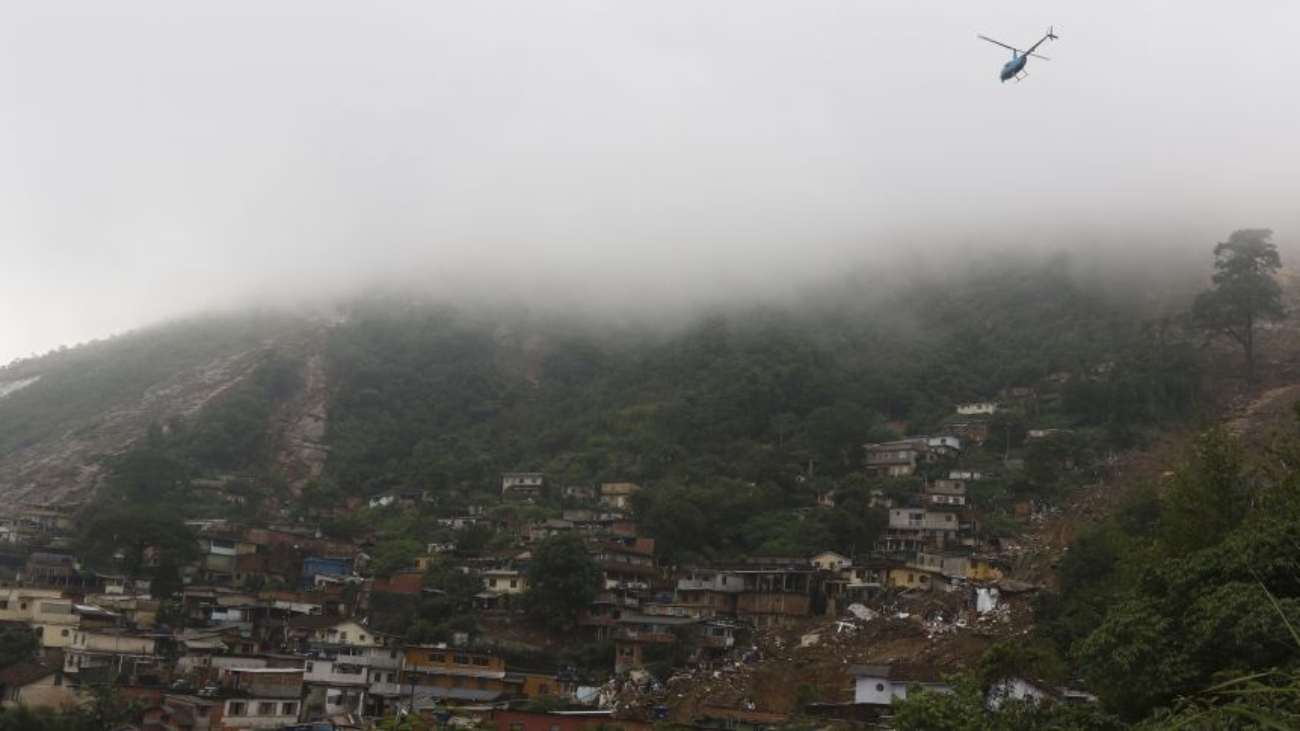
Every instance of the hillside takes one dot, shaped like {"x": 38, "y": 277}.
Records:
{"x": 407, "y": 394}
{"x": 62, "y": 414}
{"x": 744, "y": 427}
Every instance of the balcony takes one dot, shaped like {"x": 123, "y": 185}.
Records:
{"x": 633, "y": 635}
{"x": 336, "y": 674}
{"x": 386, "y": 689}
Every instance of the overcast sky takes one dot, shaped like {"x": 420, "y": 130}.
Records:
{"x": 158, "y": 157}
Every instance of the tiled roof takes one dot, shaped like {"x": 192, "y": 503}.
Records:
{"x": 24, "y": 672}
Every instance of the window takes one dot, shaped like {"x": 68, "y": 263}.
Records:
{"x": 288, "y": 709}
{"x": 343, "y": 636}
{"x": 309, "y": 666}
{"x": 63, "y": 633}
{"x": 514, "y": 583}
{"x": 460, "y": 659}
{"x": 880, "y": 687}
{"x": 437, "y": 657}
{"x": 480, "y": 660}
{"x": 360, "y": 639}
{"x": 266, "y": 708}
{"x": 236, "y": 708}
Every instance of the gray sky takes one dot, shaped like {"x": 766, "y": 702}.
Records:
{"x": 158, "y": 157}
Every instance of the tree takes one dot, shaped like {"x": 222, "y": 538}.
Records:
{"x": 1208, "y": 497}
{"x": 563, "y": 578}
{"x": 1244, "y": 290}
{"x": 17, "y": 643}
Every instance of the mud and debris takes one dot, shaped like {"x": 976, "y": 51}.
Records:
{"x": 809, "y": 661}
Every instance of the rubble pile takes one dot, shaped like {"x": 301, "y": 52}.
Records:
{"x": 811, "y": 660}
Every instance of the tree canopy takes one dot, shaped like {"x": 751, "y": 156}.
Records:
{"x": 563, "y": 579}
{"x": 1244, "y": 290}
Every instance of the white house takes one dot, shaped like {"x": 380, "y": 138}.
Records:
{"x": 830, "y": 561}
{"x": 880, "y": 684}
{"x": 978, "y": 407}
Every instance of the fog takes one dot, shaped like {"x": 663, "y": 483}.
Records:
{"x": 158, "y": 158}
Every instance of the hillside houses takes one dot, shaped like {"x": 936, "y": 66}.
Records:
{"x": 279, "y": 625}
{"x": 903, "y": 457}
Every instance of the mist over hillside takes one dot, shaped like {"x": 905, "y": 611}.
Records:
{"x": 415, "y": 391}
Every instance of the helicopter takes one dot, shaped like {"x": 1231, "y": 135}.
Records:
{"x": 1015, "y": 68}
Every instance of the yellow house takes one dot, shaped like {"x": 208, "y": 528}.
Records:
{"x": 31, "y": 684}
{"x": 440, "y": 673}
{"x": 984, "y": 568}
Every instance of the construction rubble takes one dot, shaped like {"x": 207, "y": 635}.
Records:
{"x": 780, "y": 667}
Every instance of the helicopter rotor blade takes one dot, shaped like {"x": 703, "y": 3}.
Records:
{"x": 998, "y": 43}
{"x": 1035, "y": 55}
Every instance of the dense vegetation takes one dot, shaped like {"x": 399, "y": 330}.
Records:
{"x": 1180, "y": 612}
{"x": 741, "y": 418}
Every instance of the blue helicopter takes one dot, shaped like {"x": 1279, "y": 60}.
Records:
{"x": 1015, "y": 68}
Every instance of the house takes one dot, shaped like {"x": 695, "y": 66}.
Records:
{"x": 954, "y": 565}
{"x": 104, "y": 655}
{"x": 438, "y": 673}
{"x": 338, "y": 680}
{"x": 944, "y": 446}
{"x": 985, "y": 568}
{"x": 764, "y": 593}
{"x": 48, "y": 612}
{"x": 634, "y": 630}
{"x": 578, "y": 493}
{"x": 910, "y": 576}
{"x": 973, "y": 431}
{"x": 937, "y": 526}
{"x": 51, "y": 569}
{"x": 978, "y": 407}
{"x": 535, "y": 532}
{"x": 627, "y": 563}
{"x": 830, "y": 561}
{"x": 314, "y": 567}
{"x": 618, "y": 495}
{"x": 312, "y": 631}
{"x": 37, "y": 686}
{"x": 140, "y": 611}
{"x": 945, "y": 492}
{"x": 218, "y": 556}
{"x": 880, "y": 684}
{"x": 898, "y": 458}
{"x": 506, "y": 581}
{"x": 522, "y": 486}
{"x": 501, "y": 587}
{"x": 184, "y": 712}
{"x": 260, "y": 698}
